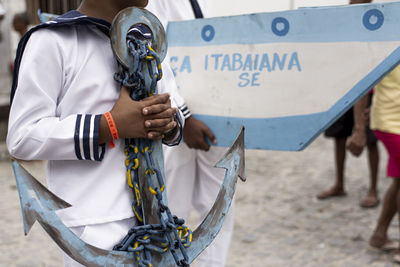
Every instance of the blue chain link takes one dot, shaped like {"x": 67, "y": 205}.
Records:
{"x": 170, "y": 234}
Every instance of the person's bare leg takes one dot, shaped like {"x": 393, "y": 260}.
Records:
{"x": 340, "y": 157}
{"x": 371, "y": 199}
{"x": 389, "y": 209}
{"x": 396, "y": 257}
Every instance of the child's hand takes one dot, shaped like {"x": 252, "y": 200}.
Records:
{"x": 196, "y": 133}
{"x": 160, "y": 117}
{"x": 150, "y": 118}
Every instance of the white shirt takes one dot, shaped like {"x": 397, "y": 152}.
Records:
{"x": 65, "y": 79}
{"x": 175, "y": 10}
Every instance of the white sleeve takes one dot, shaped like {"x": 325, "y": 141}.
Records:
{"x": 169, "y": 80}
{"x": 164, "y": 10}
{"x": 160, "y": 10}
{"x": 36, "y": 131}
{"x": 205, "y": 7}
{"x": 168, "y": 85}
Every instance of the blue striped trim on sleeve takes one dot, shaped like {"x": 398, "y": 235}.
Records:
{"x": 97, "y": 156}
{"x": 76, "y": 137}
{"x": 178, "y": 137}
{"x": 87, "y": 138}
{"x": 185, "y": 111}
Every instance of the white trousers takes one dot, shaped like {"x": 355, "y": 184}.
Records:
{"x": 104, "y": 236}
{"x": 193, "y": 183}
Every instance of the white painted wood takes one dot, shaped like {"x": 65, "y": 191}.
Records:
{"x": 313, "y": 78}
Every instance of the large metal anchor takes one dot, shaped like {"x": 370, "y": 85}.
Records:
{"x": 38, "y": 203}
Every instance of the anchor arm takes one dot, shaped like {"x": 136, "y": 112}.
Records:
{"x": 234, "y": 163}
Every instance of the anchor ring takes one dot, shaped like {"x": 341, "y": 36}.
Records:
{"x": 124, "y": 21}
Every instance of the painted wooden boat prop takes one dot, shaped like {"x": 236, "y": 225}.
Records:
{"x": 286, "y": 75}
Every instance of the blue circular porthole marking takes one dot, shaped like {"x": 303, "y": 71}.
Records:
{"x": 208, "y": 33}
{"x": 373, "y": 19}
{"x": 280, "y": 26}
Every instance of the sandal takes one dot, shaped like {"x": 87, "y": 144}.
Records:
{"x": 389, "y": 246}
{"x": 368, "y": 203}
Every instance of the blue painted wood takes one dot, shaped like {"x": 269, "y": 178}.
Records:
{"x": 320, "y": 24}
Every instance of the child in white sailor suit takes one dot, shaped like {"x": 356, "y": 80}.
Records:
{"x": 64, "y": 84}
{"x": 192, "y": 180}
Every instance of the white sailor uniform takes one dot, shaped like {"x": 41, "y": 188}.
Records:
{"x": 63, "y": 83}
{"x": 192, "y": 181}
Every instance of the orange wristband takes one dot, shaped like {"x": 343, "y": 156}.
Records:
{"x": 112, "y": 127}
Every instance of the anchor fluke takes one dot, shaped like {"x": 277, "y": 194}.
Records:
{"x": 39, "y": 204}
{"x": 36, "y": 195}
{"x": 237, "y": 149}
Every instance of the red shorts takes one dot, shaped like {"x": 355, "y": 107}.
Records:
{"x": 392, "y": 144}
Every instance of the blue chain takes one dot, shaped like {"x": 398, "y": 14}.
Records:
{"x": 170, "y": 234}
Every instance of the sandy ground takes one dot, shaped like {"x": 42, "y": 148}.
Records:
{"x": 279, "y": 222}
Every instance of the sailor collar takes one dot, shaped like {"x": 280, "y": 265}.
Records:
{"x": 70, "y": 18}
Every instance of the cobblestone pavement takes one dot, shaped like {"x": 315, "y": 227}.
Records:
{"x": 278, "y": 220}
